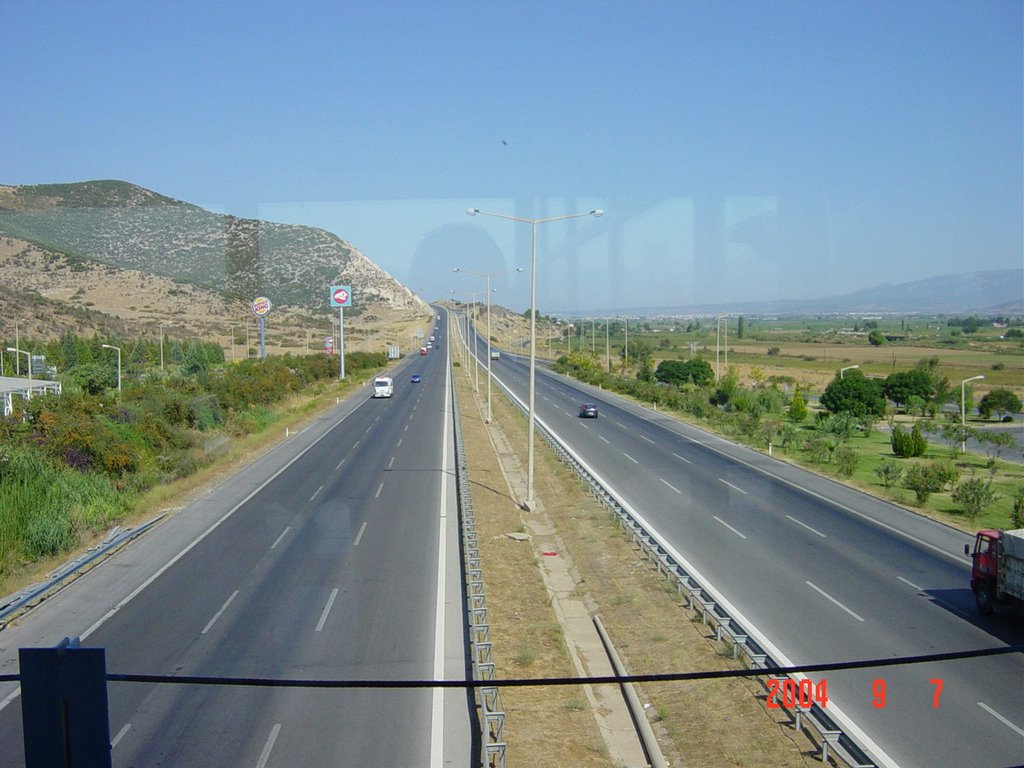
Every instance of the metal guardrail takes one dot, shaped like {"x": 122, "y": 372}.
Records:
{"x": 14, "y": 603}
{"x": 488, "y": 697}
{"x": 701, "y": 600}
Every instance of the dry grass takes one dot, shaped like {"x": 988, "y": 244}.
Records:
{"x": 717, "y": 723}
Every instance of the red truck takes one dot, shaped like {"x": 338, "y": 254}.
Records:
{"x": 997, "y": 569}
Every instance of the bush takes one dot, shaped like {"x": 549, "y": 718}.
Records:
{"x": 974, "y": 495}
{"x": 847, "y": 460}
{"x": 906, "y": 445}
{"x": 889, "y": 472}
{"x": 1017, "y": 509}
{"x": 923, "y": 480}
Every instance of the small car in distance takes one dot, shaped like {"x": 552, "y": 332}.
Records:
{"x": 415, "y": 378}
{"x": 588, "y": 411}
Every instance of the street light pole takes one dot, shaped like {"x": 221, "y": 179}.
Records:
{"x": 607, "y": 347}
{"x": 487, "y": 275}
{"x": 118, "y": 350}
{"x": 28, "y": 356}
{"x": 529, "y": 502}
{"x": 963, "y": 411}
{"x": 847, "y": 368}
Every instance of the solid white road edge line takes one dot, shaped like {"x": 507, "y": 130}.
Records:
{"x": 437, "y": 694}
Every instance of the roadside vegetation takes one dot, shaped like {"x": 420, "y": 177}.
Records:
{"x": 73, "y": 465}
{"x": 898, "y": 436}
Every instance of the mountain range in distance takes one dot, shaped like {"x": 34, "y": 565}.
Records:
{"x": 995, "y": 292}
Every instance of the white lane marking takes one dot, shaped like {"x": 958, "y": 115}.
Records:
{"x": 265, "y": 754}
{"x": 735, "y": 488}
{"x": 835, "y": 711}
{"x": 631, "y": 458}
{"x": 379, "y": 489}
{"x": 437, "y": 697}
{"x": 605, "y": 439}
{"x": 327, "y": 609}
{"x": 909, "y": 582}
{"x": 648, "y": 440}
{"x": 338, "y": 465}
{"x": 10, "y": 697}
{"x": 278, "y": 539}
{"x": 666, "y": 482}
{"x": 1000, "y": 718}
{"x": 120, "y": 735}
{"x": 391, "y": 463}
{"x": 621, "y": 424}
{"x": 360, "y": 534}
{"x": 406, "y": 428}
{"x": 316, "y": 492}
{"x": 825, "y": 594}
{"x": 218, "y": 613}
{"x": 357, "y": 442}
{"x": 729, "y": 527}
{"x": 400, "y": 440}
{"x": 682, "y": 458}
{"x": 805, "y": 525}
{"x": 584, "y": 425}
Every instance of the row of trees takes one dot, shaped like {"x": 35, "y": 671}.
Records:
{"x": 917, "y": 391}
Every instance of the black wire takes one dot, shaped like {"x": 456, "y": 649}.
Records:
{"x": 263, "y": 682}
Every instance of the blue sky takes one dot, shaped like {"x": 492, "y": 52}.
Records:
{"x": 742, "y": 150}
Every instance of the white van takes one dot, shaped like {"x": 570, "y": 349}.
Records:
{"x": 383, "y": 386}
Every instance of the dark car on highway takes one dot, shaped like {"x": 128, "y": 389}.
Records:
{"x": 415, "y": 378}
{"x": 588, "y": 411}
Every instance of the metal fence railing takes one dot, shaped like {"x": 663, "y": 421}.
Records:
{"x": 488, "y": 697}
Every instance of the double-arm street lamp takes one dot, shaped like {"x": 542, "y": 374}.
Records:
{"x": 118, "y": 350}
{"x": 529, "y": 503}
{"x": 963, "y": 411}
{"x": 488, "y": 275}
{"x": 28, "y": 356}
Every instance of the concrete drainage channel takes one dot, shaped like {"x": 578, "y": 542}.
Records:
{"x": 702, "y": 601}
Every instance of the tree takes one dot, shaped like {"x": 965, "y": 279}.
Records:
{"x": 1003, "y": 401}
{"x": 903, "y": 385}
{"x": 854, "y": 393}
{"x": 876, "y": 338}
{"x": 797, "y": 408}
{"x": 740, "y": 327}
{"x": 680, "y": 372}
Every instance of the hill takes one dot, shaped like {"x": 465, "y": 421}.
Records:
{"x": 114, "y": 257}
{"x": 121, "y": 225}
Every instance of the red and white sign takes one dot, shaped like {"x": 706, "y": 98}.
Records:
{"x": 261, "y": 306}
{"x": 341, "y": 296}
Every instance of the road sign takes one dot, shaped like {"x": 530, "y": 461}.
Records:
{"x": 341, "y": 296}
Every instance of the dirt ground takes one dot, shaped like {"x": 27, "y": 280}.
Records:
{"x": 707, "y": 724}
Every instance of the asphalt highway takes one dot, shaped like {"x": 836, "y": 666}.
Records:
{"x": 824, "y": 573}
{"x": 336, "y": 560}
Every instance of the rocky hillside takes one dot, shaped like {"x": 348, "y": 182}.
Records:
{"x": 124, "y": 226}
